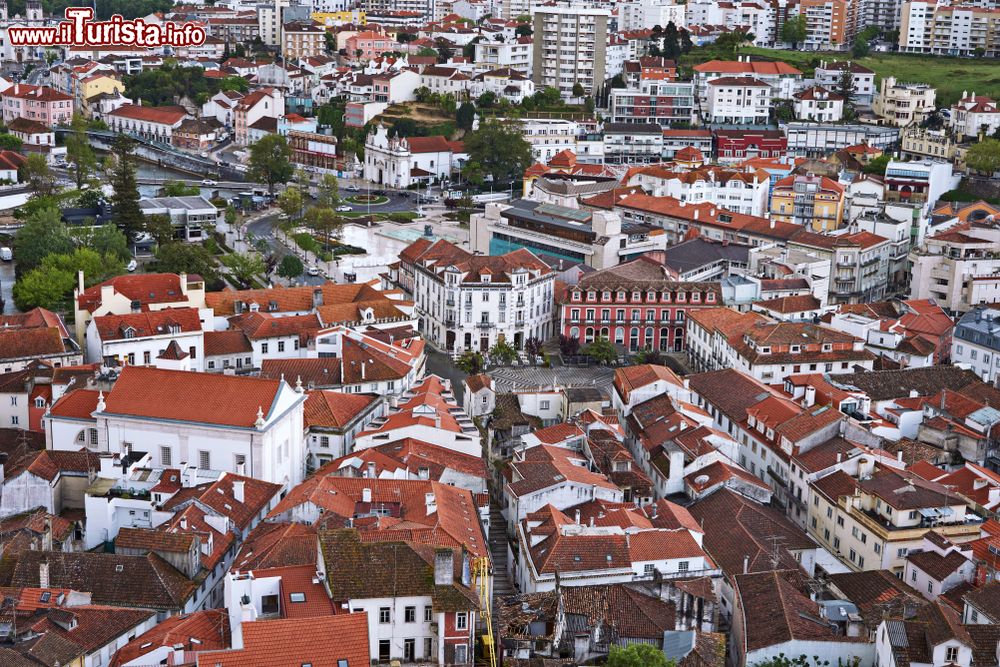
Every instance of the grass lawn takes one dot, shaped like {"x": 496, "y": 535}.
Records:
{"x": 950, "y": 76}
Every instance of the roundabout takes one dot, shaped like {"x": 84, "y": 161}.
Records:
{"x": 367, "y": 200}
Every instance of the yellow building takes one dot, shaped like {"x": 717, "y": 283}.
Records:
{"x": 874, "y": 522}
{"x": 92, "y": 86}
{"x": 815, "y": 202}
{"x": 330, "y": 19}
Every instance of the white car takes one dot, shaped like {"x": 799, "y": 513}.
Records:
{"x": 353, "y": 188}
{"x": 313, "y": 271}
{"x": 344, "y": 209}
{"x": 209, "y": 181}
{"x": 132, "y": 266}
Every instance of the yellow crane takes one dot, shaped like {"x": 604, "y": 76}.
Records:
{"x": 481, "y": 576}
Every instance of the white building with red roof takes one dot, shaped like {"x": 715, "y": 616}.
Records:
{"x": 142, "y": 337}
{"x": 403, "y": 161}
{"x": 152, "y": 123}
{"x": 333, "y": 418}
{"x": 206, "y": 421}
{"x": 974, "y": 115}
{"x": 427, "y": 412}
{"x": 600, "y": 543}
{"x": 134, "y": 292}
{"x": 781, "y": 77}
{"x": 469, "y": 302}
{"x": 251, "y": 108}
{"x": 737, "y": 100}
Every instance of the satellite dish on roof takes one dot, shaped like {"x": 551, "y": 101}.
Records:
{"x": 701, "y": 479}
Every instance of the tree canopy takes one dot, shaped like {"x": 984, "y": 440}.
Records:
{"x": 270, "y": 161}
{"x": 499, "y": 150}
{"x": 126, "y": 213}
{"x": 984, "y": 156}
{"x": 794, "y": 30}
{"x": 638, "y": 655}
{"x": 43, "y": 233}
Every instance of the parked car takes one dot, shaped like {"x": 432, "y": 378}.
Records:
{"x": 343, "y": 208}
{"x": 6, "y": 254}
{"x": 209, "y": 181}
{"x": 313, "y": 271}
{"x": 353, "y": 188}
{"x": 132, "y": 266}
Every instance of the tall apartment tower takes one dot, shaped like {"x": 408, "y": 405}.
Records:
{"x": 570, "y": 47}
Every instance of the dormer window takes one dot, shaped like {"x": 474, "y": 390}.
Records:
{"x": 637, "y": 295}
{"x": 128, "y": 332}
{"x": 680, "y": 297}
{"x": 796, "y": 348}
{"x": 576, "y": 296}
{"x": 765, "y": 350}
{"x": 621, "y": 295}
{"x": 606, "y": 296}
{"x": 665, "y": 297}
{"x": 651, "y": 296}
{"x": 591, "y": 296}
{"x": 710, "y": 297}
{"x": 486, "y": 278}
{"x": 827, "y": 347}
{"x": 695, "y": 297}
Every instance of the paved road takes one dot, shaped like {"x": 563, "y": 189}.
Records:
{"x": 263, "y": 228}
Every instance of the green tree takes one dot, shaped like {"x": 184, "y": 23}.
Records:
{"x": 671, "y": 42}
{"x": 291, "y": 267}
{"x": 231, "y": 216}
{"x": 329, "y": 43}
{"x": 502, "y": 353}
{"x": 290, "y": 202}
{"x": 427, "y": 52}
{"x": 877, "y": 165}
{"x": 471, "y": 363}
{"x": 78, "y": 150}
{"x": 106, "y": 240}
{"x": 794, "y": 30}
{"x": 523, "y": 31}
{"x": 237, "y": 83}
{"x": 50, "y": 284}
{"x": 984, "y": 156}
{"x": 179, "y": 257}
{"x": 486, "y": 100}
{"x": 244, "y": 267}
{"x": 328, "y": 191}
{"x": 180, "y": 189}
{"x": 270, "y": 161}
{"x": 43, "y": 288}
{"x": 465, "y": 115}
{"x": 36, "y": 173}
{"x": 500, "y": 150}
{"x": 579, "y": 90}
{"x": 802, "y": 661}
{"x": 686, "y": 43}
{"x": 43, "y": 233}
{"x": 422, "y": 94}
{"x": 533, "y": 346}
{"x": 125, "y": 210}
{"x": 729, "y": 42}
{"x": 9, "y": 142}
{"x": 638, "y": 655}
{"x": 89, "y": 199}
{"x": 601, "y": 351}
{"x": 326, "y": 222}
{"x": 160, "y": 228}
{"x": 860, "y": 47}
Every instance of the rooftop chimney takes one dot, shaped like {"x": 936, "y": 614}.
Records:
{"x": 576, "y": 517}
{"x": 366, "y": 495}
{"x": 43, "y": 575}
{"x": 430, "y": 503}
{"x": 371, "y": 469}
{"x": 238, "y": 490}
{"x": 746, "y": 564}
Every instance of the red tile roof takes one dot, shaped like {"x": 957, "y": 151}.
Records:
{"x": 146, "y": 288}
{"x": 169, "y": 115}
{"x": 191, "y": 397}
{"x": 334, "y": 409}
{"x": 209, "y": 627}
{"x": 148, "y": 323}
{"x": 321, "y": 642}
